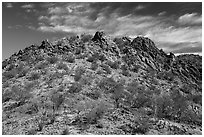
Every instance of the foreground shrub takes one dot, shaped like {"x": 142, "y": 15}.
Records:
{"x": 9, "y": 74}
{"x": 52, "y": 60}
{"x": 113, "y": 64}
{"x": 34, "y": 76}
{"x": 61, "y": 65}
{"x": 41, "y": 65}
{"x": 94, "y": 65}
{"x": 17, "y": 94}
{"x": 57, "y": 99}
{"x": 69, "y": 58}
{"x": 79, "y": 71}
{"x": 75, "y": 88}
{"x": 106, "y": 68}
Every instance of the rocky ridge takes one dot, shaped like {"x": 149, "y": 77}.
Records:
{"x": 95, "y": 85}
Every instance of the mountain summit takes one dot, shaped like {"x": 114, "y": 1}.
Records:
{"x": 98, "y": 85}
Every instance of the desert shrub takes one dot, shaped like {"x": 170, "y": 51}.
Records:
{"x": 10, "y": 67}
{"x": 65, "y": 132}
{"x": 132, "y": 87}
{"x": 61, "y": 65}
{"x": 45, "y": 118}
{"x": 94, "y": 94}
{"x": 86, "y": 80}
{"x": 136, "y": 68}
{"x": 102, "y": 57}
{"x": 24, "y": 72}
{"x": 142, "y": 124}
{"x": 29, "y": 108}
{"x": 195, "y": 98}
{"x": 57, "y": 99}
{"x": 166, "y": 76}
{"x": 106, "y": 68}
{"x": 163, "y": 106}
{"x": 4, "y": 64}
{"x": 75, "y": 88}
{"x": 96, "y": 113}
{"x": 39, "y": 58}
{"x": 91, "y": 58}
{"x": 79, "y": 71}
{"x": 69, "y": 58}
{"x": 17, "y": 94}
{"x": 190, "y": 116}
{"x": 113, "y": 64}
{"x": 73, "y": 38}
{"x": 107, "y": 84}
{"x": 34, "y": 76}
{"x": 52, "y": 60}
{"x": 86, "y": 37}
{"x": 141, "y": 100}
{"x": 179, "y": 103}
{"x": 9, "y": 74}
{"x": 94, "y": 65}
{"x": 29, "y": 85}
{"x": 32, "y": 131}
{"x": 125, "y": 70}
{"x": 41, "y": 65}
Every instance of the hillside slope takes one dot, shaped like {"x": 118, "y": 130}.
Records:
{"x": 99, "y": 85}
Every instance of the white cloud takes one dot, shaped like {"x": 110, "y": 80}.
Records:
{"x": 27, "y": 6}
{"x": 192, "y": 18}
{"x": 139, "y": 7}
{"x": 162, "y": 13}
{"x": 9, "y": 5}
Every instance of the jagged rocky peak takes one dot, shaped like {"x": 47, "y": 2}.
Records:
{"x": 99, "y": 36}
{"x": 144, "y": 43}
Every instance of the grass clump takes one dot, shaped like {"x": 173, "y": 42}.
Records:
{"x": 69, "y": 58}
{"x": 52, "y": 60}
{"x": 34, "y": 76}
{"x": 79, "y": 71}
{"x": 61, "y": 65}
{"x": 75, "y": 88}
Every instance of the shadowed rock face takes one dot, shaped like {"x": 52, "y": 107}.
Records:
{"x": 100, "y": 85}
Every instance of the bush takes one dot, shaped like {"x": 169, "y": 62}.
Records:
{"x": 52, "y": 60}
{"x": 34, "y": 76}
{"x": 41, "y": 65}
{"x": 125, "y": 70}
{"x": 79, "y": 71}
{"x": 75, "y": 88}
{"x": 11, "y": 66}
{"x": 94, "y": 65}
{"x": 107, "y": 84}
{"x": 57, "y": 99}
{"x": 69, "y": 58}
{"x": 135, "y": 68}
{"x": 23, "y": 72}
{"x": 96, "y": 113}
{"x": 106, "y": 68}
{"x": 9, "y": 74}
{"x": 163, "y": 106}
{"x": 91, "y": 58}
{"x": 61, "y": 65}
{"x": 94, "y": 94}
{"x": 16, "y": 94}
{"x": 113, "y": 64}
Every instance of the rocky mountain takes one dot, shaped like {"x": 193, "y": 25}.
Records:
{"x": 99, "y": 85}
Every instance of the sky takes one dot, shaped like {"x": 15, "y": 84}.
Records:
{"x": 174, "y": 27}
